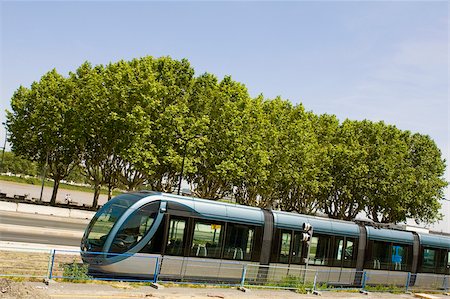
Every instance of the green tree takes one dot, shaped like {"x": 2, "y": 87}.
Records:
{"x": 159, "y": 150}
{"x": 221, "y": 163}
{"x": 299, "y": 156}
{"x": 18, "y": 165}
{"x": 250, "y": 187}
{"x": 43, "y": 126}
{"x": 406, "y": 176}
{"x": 344, "y": 198}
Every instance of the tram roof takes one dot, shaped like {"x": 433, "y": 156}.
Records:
{"x": 434, "y": 241}
{"x": 389, "y": 235}
{"x": 320, "y": 225}
{"x": 216, "y": 210}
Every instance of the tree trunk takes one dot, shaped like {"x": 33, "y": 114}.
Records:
{"x": 110, "y": 187}
{"x": 96, "y": 195}
{"x": 54, "y": 192}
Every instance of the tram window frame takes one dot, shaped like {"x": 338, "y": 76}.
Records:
{"x": 387, "y": 260}
{"x": 314, "y": 260}
{"x": 233, "y": 252}
{"x": 284, "y": 259}
{"x": 340, "y": 256}
{"x": 442, "y": 261}
{"x": 200, "y": 250}
{"x": 155, "y": 245}
{"x": 135, "y": 228}
{"x": 181, "y": 246}
{"x": 377, "y": 258}
{"x": 350, "y": 259}
{"x": 407, "y": 256}
{"x": 429, "y": 268}
{"x": 297, "y": 259}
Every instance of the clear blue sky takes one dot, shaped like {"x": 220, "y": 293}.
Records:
{"x": 380, "y": 60}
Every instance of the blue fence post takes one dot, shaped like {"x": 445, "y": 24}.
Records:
{"x": 315, "y": 281}
{"x": 155, "y": 275}
{"x": 408, "y": 279}
{"x": 244, "y": 273}
{"x": 364, "y": 278}
{"x": 50, "y": 271}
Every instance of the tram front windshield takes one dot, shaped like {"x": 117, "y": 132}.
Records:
{"x": 104, "y": 220}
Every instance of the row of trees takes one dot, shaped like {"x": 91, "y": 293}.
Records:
{"x": 133, "y": 122}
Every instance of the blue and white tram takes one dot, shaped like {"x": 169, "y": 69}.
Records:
{"x": 181, "y": 229}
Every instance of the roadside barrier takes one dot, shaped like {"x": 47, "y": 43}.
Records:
{"x": 68, "y": 265}
{"x": 429, "y": 282}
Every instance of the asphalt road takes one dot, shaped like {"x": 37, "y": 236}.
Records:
{"x": 40, "y": 229}
{"x": 41, "y": 221}
{"x": 39, "y": 239}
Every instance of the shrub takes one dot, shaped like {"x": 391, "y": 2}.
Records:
{"x": 75, "y": 271}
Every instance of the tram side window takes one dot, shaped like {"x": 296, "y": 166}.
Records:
{"x": 134, "y": 228}
{"x": 297, "y": 247}
{"x": 175, "y": 239}
{"x": 448, "y": 262}
{"x": 155, "y": 243}
{"x": 338, "y": 251}
{"x": 206, "y": 240}
{"x": 349, "y": 252}
{"x": 442, "y": 261}
{"x": 342, "y": 252}
{"x": 318, "y": 253}
{"x": 429, "y": 260}
{"x": 380, "y": 255}
{"x": 399, "y": 257}
{"x": 285, "y": 247}
{"x": 239, "y": 242}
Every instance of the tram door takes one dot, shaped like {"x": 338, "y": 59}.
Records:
{"x": 171, "y": 266}
{"x": 175, "y": 238}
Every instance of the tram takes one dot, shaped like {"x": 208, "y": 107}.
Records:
{"x": 181, "y": 229}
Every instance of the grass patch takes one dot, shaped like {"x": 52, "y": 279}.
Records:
{"x": 24, "y": 264}
{"x": 384, "y": 288}
{"x": 290, "y": 282}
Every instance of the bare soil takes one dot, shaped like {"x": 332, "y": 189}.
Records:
{"x": 10, "y": 289}
{"x": 37, "y": 290}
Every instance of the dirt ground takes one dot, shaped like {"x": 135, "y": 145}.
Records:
{"x": 37, "y": 290}
{"x": 10, "y": 289}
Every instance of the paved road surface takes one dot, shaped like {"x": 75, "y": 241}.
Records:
{"x": 34, "y": 191}
{"x": 24, "y": 237}
{"x": 33, "y": 220}
{"x": 41, "y": 229}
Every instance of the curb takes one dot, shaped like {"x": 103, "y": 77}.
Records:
{"x": 45, "y": 210}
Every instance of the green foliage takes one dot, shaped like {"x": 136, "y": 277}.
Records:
{"x": 44, "y": 125}
{"x": 292, "y": 282}
{"x": 385, "y": 288}
{"x": 142, "y": 122}
{"x": 17, "y": 165}
{"x": 75, "y": 272}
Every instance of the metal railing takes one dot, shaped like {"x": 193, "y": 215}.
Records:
{"x": 68, "y": 265}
